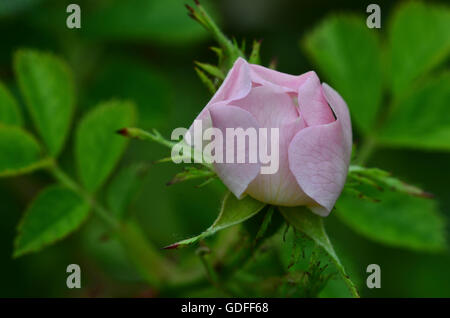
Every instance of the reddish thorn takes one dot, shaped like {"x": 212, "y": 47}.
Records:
{"x": 191, "y": 10}
{"x": 192, "y": 16}
{"x": 173, "y": 181}
{"x": 427, "y": 195}
{"x": 123, "y": 132}
{"x": 197, "y": 2}
{"x": 171, "y": 247}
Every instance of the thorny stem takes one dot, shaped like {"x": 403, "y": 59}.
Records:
{"x": 141, "y": 134}
{"x": 155, "y": 136}
{"x": 200, "y": 14}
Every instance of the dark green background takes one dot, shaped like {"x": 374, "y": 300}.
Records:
{"x": 155, "y": 69}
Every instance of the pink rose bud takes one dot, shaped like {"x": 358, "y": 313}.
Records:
{"x": 314, "y": 136}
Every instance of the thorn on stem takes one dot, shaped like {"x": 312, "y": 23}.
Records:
{"x": 173, "y": 181}
{"x": 273, "y": 63}
{"x": 191, "y": 10}
{"x": 123, "y": 132}
{"x": 171, "y": 246}
{"x": 427, "y": 195}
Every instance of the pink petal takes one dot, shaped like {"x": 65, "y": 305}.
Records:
{"x": 313, "y": 107}
{"x": 236, "y": 176}
{"x": 265, "y": 76}
{"x": 237, "y": 84}
{"x": 319, "y": 156}
{"x": 270, "y": 108}
{"x": 317, "y": 160}
{"x": 281, "y": 188}
{"x": 273, "y": 108}
{"x": 340, "y": 108}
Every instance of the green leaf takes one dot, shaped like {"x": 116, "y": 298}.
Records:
{"x": 190, "y": 173}
{"x": 421, "y": 120}
{"x": 419, "y": 38}
{"x": 165, "y": 22}
{"x": 47, "y": 86}
{"x": 382, "y": 180}
{"x": 254, "y": 57}
{"x": 312, "y": 226}
{"x": 211, "y": 70}
{"x": 124, "y": 188}
{"x": 9, "y": 110}
{"x": 97, "y": 146}
{"x": 233, "y": 211}
{"x": 396, "y": 219}
{"x": 19, "y": 152}
{"x": 54, "y": 214}
{"x": 348, "y": 54}
{"x": 205, "y": 80}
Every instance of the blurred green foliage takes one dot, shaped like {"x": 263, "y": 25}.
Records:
{"x": 55, "y": 213}
{"x": 395, "y": 81}
{"x": 358, "y": 75}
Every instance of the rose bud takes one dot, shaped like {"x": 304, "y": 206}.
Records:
{"x": 314, "y": 136}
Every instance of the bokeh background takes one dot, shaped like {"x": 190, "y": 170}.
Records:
{"x": 144, "y": 50}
